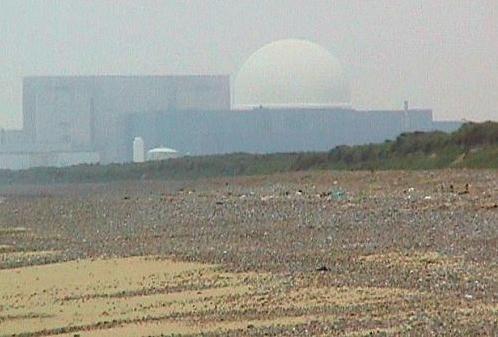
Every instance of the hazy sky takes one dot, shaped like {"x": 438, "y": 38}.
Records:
{"x": 439, "y": 54}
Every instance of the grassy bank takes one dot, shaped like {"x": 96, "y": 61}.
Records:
{"x": 474, "y": 145}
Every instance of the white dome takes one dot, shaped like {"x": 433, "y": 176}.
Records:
{"x": 162, "y": 150}
{"x": 291, "y": 73}
{"x": 162, "y": 153}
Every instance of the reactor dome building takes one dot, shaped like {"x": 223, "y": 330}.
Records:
{"x": 291, "y": 73}
{"x": 290, "y": 95}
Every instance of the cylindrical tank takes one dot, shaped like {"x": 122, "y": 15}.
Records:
{"x": 162, "y": 153}
{"x": 138, "y": 150}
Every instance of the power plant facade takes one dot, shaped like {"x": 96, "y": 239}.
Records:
{"x": 264, "y": 130}
{"x": 298, "y": 102}
{"x": 72, "y": 120}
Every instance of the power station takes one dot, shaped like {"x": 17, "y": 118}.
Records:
{"x": 291, "y": 95}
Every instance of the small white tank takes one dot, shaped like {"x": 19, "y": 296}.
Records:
{"x": 138, "y": 150}
{"x": 162, "y": 153}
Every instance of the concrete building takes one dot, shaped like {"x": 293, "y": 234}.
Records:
{"x": 85, "y": 114}
{"x": 264, "y": 130}
{"x": 290, "y": 95}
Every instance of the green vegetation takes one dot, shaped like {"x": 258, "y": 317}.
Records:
{"x": 474, "y": 145}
